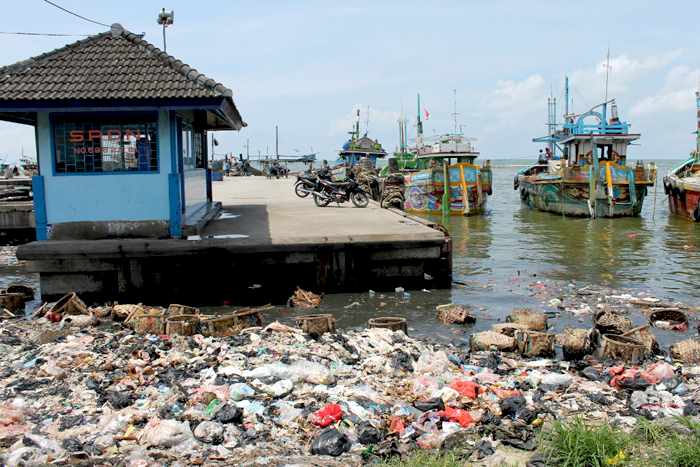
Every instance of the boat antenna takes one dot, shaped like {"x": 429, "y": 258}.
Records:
{"x": 367, "y": 124}
{"x": 607, "y": 74}
{"x": 455, "y": 115}
{"x": 402, "y": 128}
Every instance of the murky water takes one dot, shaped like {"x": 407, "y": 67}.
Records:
{"x": 513, "y": 256}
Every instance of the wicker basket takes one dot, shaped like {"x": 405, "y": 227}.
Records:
{"x": 149, "y": 324}
{"x": 69, "y": 304}
{"x": 12, "y": 301}
{"x": 578, "y": 343}
{"x": 180, "y": 310}
{"x": 316, "y": 324}
{"x": 623, "y": 348}
{"x": 26, "y": 291}
{"x": 127, "y": 313}
{"x": 536, "y": 321}
{"x": 509, "y": 329}
{"x": 184, "y": 325}
{"x": 395, "y": 324}
{"x": 643, "y": 335}
{"x": 454, "y": 314}
{"x": 534, "y": 343}
{"x": 230, "y": 324}
{"x": 489, "y": 339}
{"x": 669, "y": 319}
{"x": 686, "y": 351}
{"x": 611, "y": 322}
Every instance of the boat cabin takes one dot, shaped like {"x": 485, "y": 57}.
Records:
{"x": 121, "y": 131}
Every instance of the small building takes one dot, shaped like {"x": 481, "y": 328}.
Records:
{"x": 121, "y": 132}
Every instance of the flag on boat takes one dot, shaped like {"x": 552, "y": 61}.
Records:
{"x": 244, "y": 146}
{"x": 427, "y": 115}
{"x": 216, "y": 143}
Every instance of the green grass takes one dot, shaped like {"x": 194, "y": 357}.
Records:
{"x": 574, "y": 444}
{"x": 425, "y": 459}
{"x": 669, "y": 444}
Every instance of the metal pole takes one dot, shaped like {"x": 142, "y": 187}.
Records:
{"x": 165, "y": 46}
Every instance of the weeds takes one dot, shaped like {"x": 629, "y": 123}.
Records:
{"x": 573, "y": 444}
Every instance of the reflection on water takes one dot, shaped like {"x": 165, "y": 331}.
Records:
{"x": 514, "y": 256}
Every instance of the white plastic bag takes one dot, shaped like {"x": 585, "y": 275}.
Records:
{"x": 169, "y": 434}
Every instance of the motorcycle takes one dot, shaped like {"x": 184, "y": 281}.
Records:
{"x": 306, "y": 181}
{"x": 327, "y": 191}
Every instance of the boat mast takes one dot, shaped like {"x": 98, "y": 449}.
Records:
{"x": 357, "y": 125}
{"x": 455, "y": 114}
{"x": 697, "y": 132}
{"x": 277, "y": 143}
{"x": 419, "y": 124}
{"x": 402, "y": 129}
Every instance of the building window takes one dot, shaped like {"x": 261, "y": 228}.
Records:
{"x": 192, "y": 148}
{"x": 89, "y": 144}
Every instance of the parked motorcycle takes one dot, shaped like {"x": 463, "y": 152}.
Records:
{"x": 348, "y": 190}
{"x": 306, "y": 181}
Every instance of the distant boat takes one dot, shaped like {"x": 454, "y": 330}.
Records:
{"x": 589, "y": 176}
{"x": 446, "y": 179}
{"x": 28, "y": 166}
{"x": 682, "y": 184}
{"x": 354, "y": 150}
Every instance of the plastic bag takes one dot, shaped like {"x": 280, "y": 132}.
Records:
{"x": 466, "y": 388}
{"x": 427, "y": 406}
{"x": 169, "y": 434}
{"x": 240, "y": 391}
{"x": 425, "y": 385}
{"x": 659, "y": 372}
{"x": 210, "y": 432}
{"x": 26, "y": 457}
{"x": 433, "y": 363}
{"x": 460, "y": 416}
{"x": 325, "y": 417}
{"x": 314, "y": 373}
{"x": 287, "y": 414}
{"x": 331, "y": 443}
{"x": 229, "y": 414}
{"x": 511, "y": 405}
{"x": 368, "y": 434}
{"x": 118, "y": 400}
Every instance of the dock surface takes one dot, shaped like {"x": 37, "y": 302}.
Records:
{"x": 264, "y": 242}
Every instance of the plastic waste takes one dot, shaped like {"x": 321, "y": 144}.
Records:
{"x": 169, "y": 434}
{"x": 210, "y": 432}
{"x": 325, "y": 417}
{"x": 368, "y": 434}
{"x": 433, "y": 363}
{"x": 424, "y": 385}
{"x": 314, "y": 373}
{"x": 229, "y": 414}
{"x": 466, "y": 388}
{"x": 240, "y": 391}
{"x": 511, "y": 405}
{"x": 331, "y": 443}
{"x": 433, "y": 404}
{"x": 26, "y": 457}
{"x": 287, "y": 414}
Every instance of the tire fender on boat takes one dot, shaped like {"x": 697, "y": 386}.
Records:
{"x": 696, "y": 214}
{"x": 667, "y": 185}
{"x": 524, "y": 194}
{"x": 516, "y": 183}
{"x": 681, "y": 193}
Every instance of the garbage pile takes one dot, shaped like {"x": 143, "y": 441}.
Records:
{"x": 100, "y": 392}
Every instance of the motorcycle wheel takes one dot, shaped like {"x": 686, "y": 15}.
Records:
{"x": 360, "y": 199}
{"x": 321, "y": 202}
{"x": 298, "y": 190}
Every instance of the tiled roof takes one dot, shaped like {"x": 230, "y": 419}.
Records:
{"x": 110, "y": 65}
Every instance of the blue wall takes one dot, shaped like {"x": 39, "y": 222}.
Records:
{"x": 106, "y": 197}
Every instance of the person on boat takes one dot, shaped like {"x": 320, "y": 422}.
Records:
{"x": 542, "y": 158}
{"x": 548, "y": 154}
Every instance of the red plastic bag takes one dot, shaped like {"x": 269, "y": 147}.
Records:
{"x": 466, "y": 388}
{"x": 397, "y": 425}
{"x": 325, "y": 417}
{"x": 460, "y": 416}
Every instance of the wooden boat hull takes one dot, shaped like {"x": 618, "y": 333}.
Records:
{"x": 684, "y": 192}
{"x": 568, "y": 191}
{"x": 425, "y": 190}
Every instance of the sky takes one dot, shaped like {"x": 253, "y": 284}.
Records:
{"x": 306, "y": 67}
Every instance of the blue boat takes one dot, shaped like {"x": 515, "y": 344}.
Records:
{"x": 355, "y": 149}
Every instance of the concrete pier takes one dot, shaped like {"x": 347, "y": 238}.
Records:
{"x": 264, "y": 242}
{"x": 16, "y": 215}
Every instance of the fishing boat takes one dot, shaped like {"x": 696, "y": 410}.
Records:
{"x": 446, "y": 179}
{"x": 355, "y": 149}
{"x": 587, "y": 175}
{"x": 682, "y": 184}
{"x": 28, "y": 166}
{"x": 405, "y": 159}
